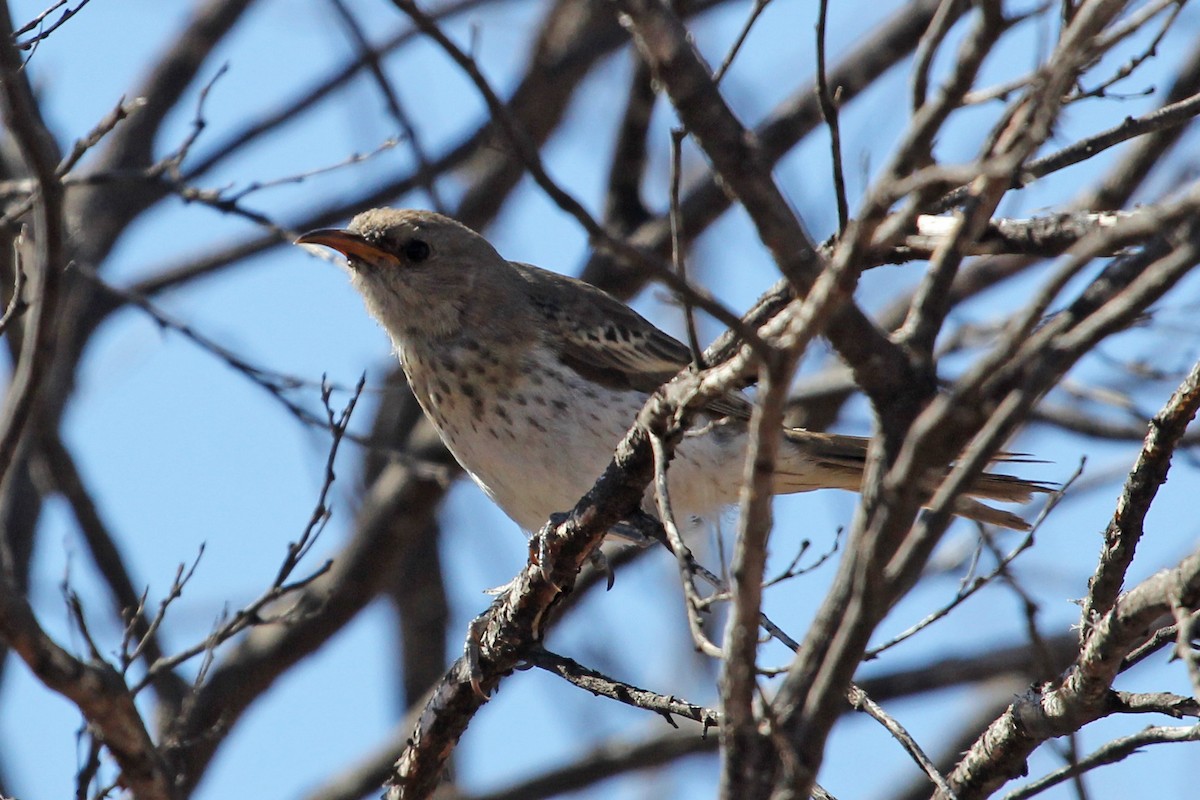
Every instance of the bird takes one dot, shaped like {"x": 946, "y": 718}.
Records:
{"x": 531, "y": 378}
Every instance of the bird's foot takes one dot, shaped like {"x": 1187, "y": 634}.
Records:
{"x": 472, "y": 652}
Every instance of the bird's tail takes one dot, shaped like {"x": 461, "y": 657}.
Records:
{"x": 828, "y": 460}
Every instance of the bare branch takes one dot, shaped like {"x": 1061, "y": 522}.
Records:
{"x": 36, "y": 22}
{"x": 110, "y": 562}
{"x": 1082, "y": 695}
{"x": 395, "y": 108}
{"x": 1115, "y": 751}
{"x": 759, "y": 7}
{"x": 17, "y": 304}
{"x": 282, "y": 586}
{"x": 603, "y": 686}
{"x": 105, "y": 126}
{"x": 95, "y": 688}
{"x": 23, "y": 120}
{"x": 861, "y": 702}
{"x": 968, "y": 589}
{"x": 829, "y": 112}
{"x": 1149, "y": 472}
{"x": 664, "y": 43}
{"x": 1166, "y": 118}
{"x": 692, "y": 600}
{"x": 739, "y": 730}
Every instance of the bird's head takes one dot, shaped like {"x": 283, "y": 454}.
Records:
{"x": 422, "y": 274}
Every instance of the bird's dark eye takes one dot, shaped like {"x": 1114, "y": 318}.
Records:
{"x": 416, "y": 250}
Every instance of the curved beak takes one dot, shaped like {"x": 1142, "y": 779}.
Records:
{"x": 349, "y": 244}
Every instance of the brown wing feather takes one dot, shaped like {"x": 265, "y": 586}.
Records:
{"x": 606, "y": 341}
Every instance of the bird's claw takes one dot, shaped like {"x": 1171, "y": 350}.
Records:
{"x": 600, "y": 563}
{"x": 471, "y": 652}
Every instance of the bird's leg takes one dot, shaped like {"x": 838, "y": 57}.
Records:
{"x": 471, "y": 653}
{"x": 539, "y": 547}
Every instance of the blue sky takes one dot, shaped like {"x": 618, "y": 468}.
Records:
{"x": 182, "y": 452}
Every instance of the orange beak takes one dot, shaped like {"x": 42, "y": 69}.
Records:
{"x": 345, "y": 242}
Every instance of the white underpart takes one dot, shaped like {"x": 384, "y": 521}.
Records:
{"x": 532, "y": 473}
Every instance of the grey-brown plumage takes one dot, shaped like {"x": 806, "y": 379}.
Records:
{"x": 532, "y": 378}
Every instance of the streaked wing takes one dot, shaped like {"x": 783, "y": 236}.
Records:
{"x": 623, "y": 355}
{"x": 604, "y": 340}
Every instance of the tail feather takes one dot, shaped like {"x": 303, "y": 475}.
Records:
{"x": 1007, "y": 488}
{"x": 973, "y": 509}
{"x": 836, "y": 461}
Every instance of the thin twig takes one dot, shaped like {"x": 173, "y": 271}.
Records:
{"x": 314, "y": 93}
{"x": 794, "y": 570}
{"x": 829, "y": 112}
{"x": 17, "y": 304}
{"x": 1169, "y": 116}
{"x": 860, "y": 701}
{"x": 1134, "y": 25}
{"x": 943, "y": 19}
{"x": 31, "y": 42}
{"x": 677, "y": 257}
{"x": 759, "y": 7}
{"x": 299, "y": 177}
{"x": 666, "y": 706}
{"x": 277, "y": 384}
{"x": 692, "y": 600}
{"x": 96, "y": 135}
{"x": 282, "y": 586}
{"x": 146, "y": 644}
{"x": 174, "y": 160}
{"x": 371, "y": 60}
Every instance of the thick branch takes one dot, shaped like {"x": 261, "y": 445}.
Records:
{"x": 1084, "y": 694}
{"x": 1141, "y": 487}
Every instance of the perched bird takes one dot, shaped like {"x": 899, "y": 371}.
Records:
{"x": 532, "y": 378}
